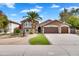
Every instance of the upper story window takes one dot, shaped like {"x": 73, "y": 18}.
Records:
{"x": 28, "y": 24}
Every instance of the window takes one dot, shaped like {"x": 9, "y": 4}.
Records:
{"x": 28, "y": 24}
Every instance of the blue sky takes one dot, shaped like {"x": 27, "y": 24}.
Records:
{"x": 16, "y": 11}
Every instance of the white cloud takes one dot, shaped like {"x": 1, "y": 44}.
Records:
{"x": 38, "y": 7}
{"x": 69, "y": 8}
{"x": 9, "y": 5}
{"x": 13, "y": 14}
{"x": 42, "y": 16}
{"x": 27, "y": 10}
{"x": 61, "y": 9}
{"x": 55, "y": 6}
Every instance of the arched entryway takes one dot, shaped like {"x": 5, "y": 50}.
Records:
{"x": 39, "y": 30}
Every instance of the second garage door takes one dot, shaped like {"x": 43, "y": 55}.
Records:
{"x": 50, "y": 29}
{"x": 64, "y": 29}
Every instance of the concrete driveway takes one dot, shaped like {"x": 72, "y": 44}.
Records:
{"x": 63, "y": 39}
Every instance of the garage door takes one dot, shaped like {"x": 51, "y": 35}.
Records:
{"x": 50, "y": 29}
{"x": 64, "y": 29}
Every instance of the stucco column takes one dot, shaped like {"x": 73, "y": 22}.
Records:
{"x": 59, "y": 29}
{"x": 42, "y": 29}
{"x": 69, "y": 30}
{"x": 76, "y": 31}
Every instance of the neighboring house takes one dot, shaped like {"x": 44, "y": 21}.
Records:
{"x": 54, "y": 26}
{"x": 11, "y": 26}
{"x": 27, "y": 25}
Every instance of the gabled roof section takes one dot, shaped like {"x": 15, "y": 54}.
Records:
{"x": 45, "y": 22}
{"x": 25, "y": 20}
{"x": 13, "y": 22}
{"x": 54, "y": 22}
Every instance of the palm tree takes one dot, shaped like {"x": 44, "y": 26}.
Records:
{"x": 3, "y": 21}
{"x": 64, "y": 15}
{"x": 33, "y": 16}
{"x": 74, "y": 11}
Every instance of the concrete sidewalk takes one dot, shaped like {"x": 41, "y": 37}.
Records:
{"x": 39, "y": 50}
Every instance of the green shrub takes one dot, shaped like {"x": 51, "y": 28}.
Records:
{"x": 17, "y": 31}
{"x": 30, "y": 32}
{"x": 40, "y": 39}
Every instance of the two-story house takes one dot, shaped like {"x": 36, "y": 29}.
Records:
{"x": 12, "y": 25}
{"x": 27, "y": 25}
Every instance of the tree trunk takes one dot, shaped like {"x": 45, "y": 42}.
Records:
{"x": 33, "y": 27}
{"x": 5, "y": 31}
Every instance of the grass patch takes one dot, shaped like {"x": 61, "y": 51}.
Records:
{"x": 40, "y": 39}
